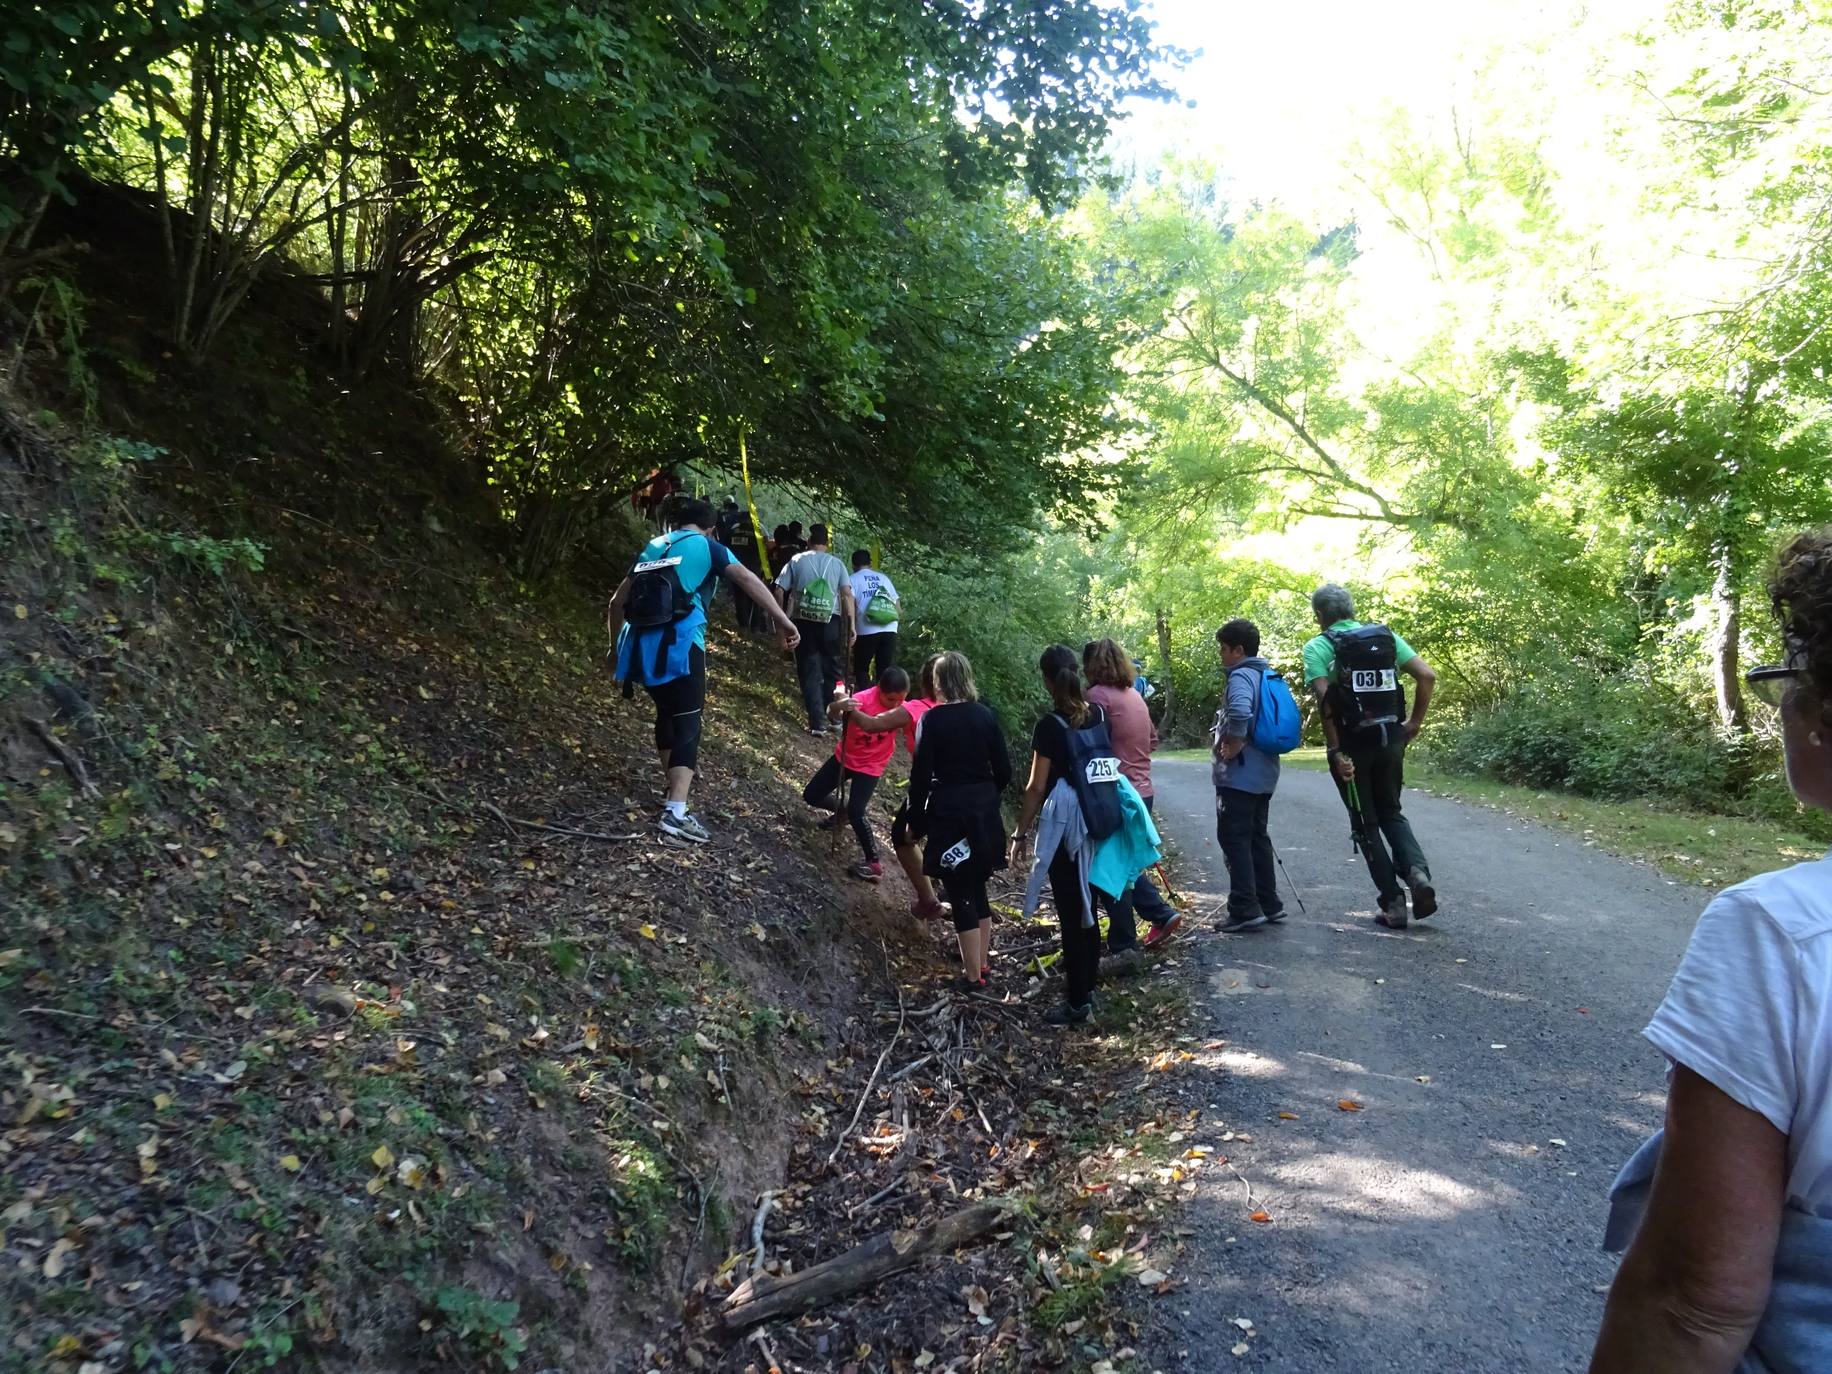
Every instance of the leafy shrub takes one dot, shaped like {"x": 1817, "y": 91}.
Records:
{"x": 203, "y": 553}
{"x": 484, "y": 1328}
{"x": 1610, "y": 738}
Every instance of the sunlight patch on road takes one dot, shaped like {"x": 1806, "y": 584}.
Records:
{"x": 1356, "y": 1184}
{"x": 1241, "y": 1063}
{"x": 1339, "y": 1065}
{"x": 1496, "y": 993}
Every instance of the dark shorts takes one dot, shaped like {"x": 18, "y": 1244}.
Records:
{"x": 679, "y": 706}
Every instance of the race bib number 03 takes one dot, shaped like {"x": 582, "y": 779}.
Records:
{"x": 1103, "y": 770}
{"x": 1372, "y": 680}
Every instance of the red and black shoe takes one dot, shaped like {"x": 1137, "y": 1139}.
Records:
{"x": 1160, "y": 934}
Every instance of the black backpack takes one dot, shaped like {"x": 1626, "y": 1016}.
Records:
{"x": 1366, "y": 692}
{"x": 1094, "y": 773}
{"x": 657, "y": 594}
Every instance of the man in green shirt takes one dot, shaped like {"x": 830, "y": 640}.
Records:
{"x": 1354, "y": 670}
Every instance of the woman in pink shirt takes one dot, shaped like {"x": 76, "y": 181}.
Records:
{"x": 860, "y": 759}
{"x": 1110, "y": 676}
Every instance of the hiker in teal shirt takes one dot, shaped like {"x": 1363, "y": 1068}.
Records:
{"x": 657, "y": 621}
{"x": 1354, "y": 669}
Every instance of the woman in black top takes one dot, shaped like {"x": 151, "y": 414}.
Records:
{"x": 1049, "y": 761}
{"x": 961, "y": 768}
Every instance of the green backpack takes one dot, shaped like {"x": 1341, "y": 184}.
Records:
{"x": 881, "y": 609}
{"x": 816, "y": 600}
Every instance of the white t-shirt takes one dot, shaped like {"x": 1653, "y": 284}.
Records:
{"x": 1750, "y": 1011}
{"x": 865, "y": 584}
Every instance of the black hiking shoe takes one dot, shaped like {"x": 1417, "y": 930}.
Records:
{"x": 1235, "y": 924}
{"x": 1424, "y": 895}
{"x": 1392, "y": 913}
{"x": 1065, "y": 1015}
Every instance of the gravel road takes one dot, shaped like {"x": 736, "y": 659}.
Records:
{"x": 1452, "y": 1224}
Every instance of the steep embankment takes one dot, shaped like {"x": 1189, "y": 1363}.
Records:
{"x": 354, "y": 1017}
{"x": 319, "y": 1034}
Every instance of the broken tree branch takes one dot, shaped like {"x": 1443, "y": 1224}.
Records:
{"x": 763, "y": 1298}
{"x": 764, "y": 1203}
{"x": 871, "y": 1082}
{"x": 65, "y": 755}
{"x": 513, "y": 821}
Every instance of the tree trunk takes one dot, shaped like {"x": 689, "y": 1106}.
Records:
{"x": 1726, "y": 645}
{"x": 1170, "y": 687}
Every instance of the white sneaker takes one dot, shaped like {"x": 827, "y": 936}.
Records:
{"x": 685, "y": 827}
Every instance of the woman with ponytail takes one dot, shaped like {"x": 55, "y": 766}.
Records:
{"x": 1067, "y": 860}
{"x": 961, "y": 767}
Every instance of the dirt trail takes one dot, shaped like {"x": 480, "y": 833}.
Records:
{"x": 1453, "y": 1222}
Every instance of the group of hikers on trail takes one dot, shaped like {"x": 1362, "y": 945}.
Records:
{"x": 1085, "y": 819}
{"x": 1726, "y": 1213}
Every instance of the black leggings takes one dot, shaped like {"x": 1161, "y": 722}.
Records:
{"x": 968, "y": 898}
{"x": 825, "y": 783}
{"x": 678, "y": 707}
{"x": 1080, "y": 943}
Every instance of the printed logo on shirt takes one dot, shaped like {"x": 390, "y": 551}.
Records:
{"x": 657, "y": 564}
{"x": 1104, "y": 769}
{"x": 1372, "y": 680}
{"x": 957, "y": 855}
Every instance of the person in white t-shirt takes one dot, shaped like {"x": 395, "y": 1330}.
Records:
{"x": 876, "y": 647}
{"x": 1731, "y": 1267}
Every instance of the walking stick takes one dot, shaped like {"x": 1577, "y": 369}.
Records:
{"x": 1287, "y": 872}
{"x": 1164, "y": 878}
{"x": 839, "y": 691}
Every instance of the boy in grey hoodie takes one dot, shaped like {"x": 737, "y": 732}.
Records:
{"x": 1245, "y": 777}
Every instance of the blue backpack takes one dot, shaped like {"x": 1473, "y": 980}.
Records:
{"x": 1277, "y": 725}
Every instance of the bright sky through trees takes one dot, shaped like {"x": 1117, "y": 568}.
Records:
{"x": 1284, "y": 93}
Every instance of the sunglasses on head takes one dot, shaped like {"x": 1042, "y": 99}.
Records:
{"x": 1769, "y": 682}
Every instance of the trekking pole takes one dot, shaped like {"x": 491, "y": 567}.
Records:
{"x": 1164, "y": 878}
{"x": 1354, "y": 797}
{"x": 1287, "y": 872}
{"x": 839, "y": 690}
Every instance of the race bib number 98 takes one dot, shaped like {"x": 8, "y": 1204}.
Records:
{"x": 1103, "y": 770}
{"x": 956, "y": 855}
{"x": 1372, "y": 680}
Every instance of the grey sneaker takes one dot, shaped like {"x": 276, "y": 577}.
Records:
{"x": 685, "y": 827}
{"x": 1124, "y": 963}
{"x": 1393, "y": 913}
{"x": 1239, "y": 923}
{"x": 1424, "y": 895}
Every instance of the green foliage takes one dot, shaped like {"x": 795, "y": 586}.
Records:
{"x": 1083, "y": 1295}
{"x": 204, "y": 553}
{"x": 617, "y": 237}
{"x": 486, "y": 1329}
{"x": 1599, "y": 737}
{"x": 642, "y": 1201}
{"x": 1623, "y": 740}
{"x": 1002, "y": 608}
